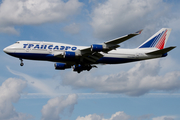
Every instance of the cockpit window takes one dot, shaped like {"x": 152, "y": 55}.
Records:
{"x": 17, "y": 42}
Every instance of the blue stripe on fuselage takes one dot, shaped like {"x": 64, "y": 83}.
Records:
{"x": 36, "y": 56}
{"x": 51, "y": 57}
{"x": 111, "y": 60}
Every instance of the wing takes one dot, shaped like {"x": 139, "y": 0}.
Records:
{"x": 93, "y": 53}
{"x": 123, "y": 38}
{"x": 88, "y": 53}
{"x": 109, "y": 45}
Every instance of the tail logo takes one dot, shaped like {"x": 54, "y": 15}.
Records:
{"x": 161, "y": 42}
{"x": 158, "y": 41}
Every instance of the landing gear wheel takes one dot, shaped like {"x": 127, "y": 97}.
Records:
{"x": 21, "y": 64}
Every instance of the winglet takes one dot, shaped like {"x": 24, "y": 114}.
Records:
{"x": 138, "y": 32}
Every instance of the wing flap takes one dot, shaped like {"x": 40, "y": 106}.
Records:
{"x": 86, "y": 50}
{"x": 59, "y": 54}
{"x": 94, "y": 57}
{"x": 90, "y": 59}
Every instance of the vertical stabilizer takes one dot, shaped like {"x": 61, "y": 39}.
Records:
{"x": 158, "y": 40}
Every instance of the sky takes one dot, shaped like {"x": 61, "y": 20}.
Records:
{"x": 145, "y": 90}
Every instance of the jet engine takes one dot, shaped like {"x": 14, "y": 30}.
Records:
{"x": 61, "y": 66}
{"x": 69, "y": 54}
{"x": 103, "y": 47}
{"x": 96, "y": 48}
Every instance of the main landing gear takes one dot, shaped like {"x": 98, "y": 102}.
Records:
{"x": 21, "y": 64}
{"x": 80, "y": 67}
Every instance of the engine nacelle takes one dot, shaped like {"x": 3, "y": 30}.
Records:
{"x": 96, "y": 48}
{"x": 103, "y": 47}
{"x": 61, "y": 66}
{"x": 69, "y": 54}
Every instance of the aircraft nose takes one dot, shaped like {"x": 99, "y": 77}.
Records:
{"x": 6, "y": 50}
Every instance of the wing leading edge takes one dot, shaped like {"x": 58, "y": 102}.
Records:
{"x": 92, "y": 53}
{"x": 110, "y": 45}
{"x": 123, "y": 38}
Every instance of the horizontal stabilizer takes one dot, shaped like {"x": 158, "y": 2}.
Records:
{"x": 162, "y": 51}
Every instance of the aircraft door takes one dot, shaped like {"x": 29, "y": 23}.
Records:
{"x": 50, "y": 48}
{"x": 29, "y": 47}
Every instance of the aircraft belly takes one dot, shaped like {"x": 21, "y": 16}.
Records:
{"x": 124, "y": 58}
{"x": 115, "y": 60}
{"x": 40, "y": 56}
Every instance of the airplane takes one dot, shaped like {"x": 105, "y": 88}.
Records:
{"x": 82, "y": 58}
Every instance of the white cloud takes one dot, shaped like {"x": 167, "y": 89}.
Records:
{"x": 119, "y": 17}
{"x": 117, "y": 116}
{"x": 72, "y": 28}
{"x": 140, "y": 79}
{"x": 165, "y": 118}
{"x": 46, "y": 88}
{"x": 9, "y": 30}
{"x": 174, "y": 23}
{"x": 123, "y": 116}
{"x": 90, "y": 117}
{"x": 10, "y": 93}
{"x": 31, "y": 12}
{"x": 37, "y": 84}
{"x": 57, "y": 106}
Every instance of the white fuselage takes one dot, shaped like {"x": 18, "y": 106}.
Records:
{"x": 35, "y": 50}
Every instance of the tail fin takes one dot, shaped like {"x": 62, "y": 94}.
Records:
{"x": 158, "y": 40}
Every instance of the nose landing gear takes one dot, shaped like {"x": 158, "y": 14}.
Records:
{"x": 21, "y": 64}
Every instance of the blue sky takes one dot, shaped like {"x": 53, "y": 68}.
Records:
{"x": 146, "y": 90}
